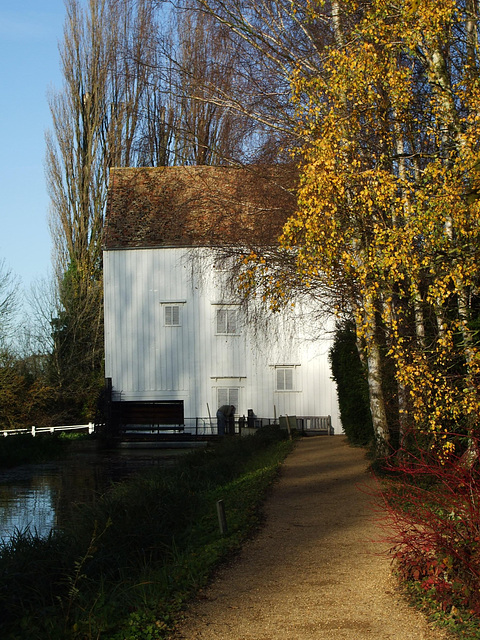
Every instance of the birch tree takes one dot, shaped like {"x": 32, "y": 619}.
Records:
{"x": 386, "y": 104}
{"x": 389, "y": 192}
{"x": 284, "y": 42}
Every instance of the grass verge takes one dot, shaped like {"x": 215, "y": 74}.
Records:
{"x": 124, "y": 567}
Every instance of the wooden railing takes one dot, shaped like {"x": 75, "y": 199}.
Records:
{"x": 33, "y": 431}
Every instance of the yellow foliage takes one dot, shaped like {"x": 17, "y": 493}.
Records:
{"x": 388, "y": 197}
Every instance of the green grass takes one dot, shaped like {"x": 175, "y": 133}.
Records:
{"x": 124, "y": 567}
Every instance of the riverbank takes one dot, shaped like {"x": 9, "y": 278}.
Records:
{"x": 40, "y": 495}
{"x": 318, "y": 568}
{"x": 26, "y": 449}
{"x": 123, "y": 566}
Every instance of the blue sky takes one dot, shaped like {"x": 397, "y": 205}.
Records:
{"x": 30, "y": 31}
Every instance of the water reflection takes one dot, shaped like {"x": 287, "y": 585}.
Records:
{"x": 40, "y": 496}
{"x": 25, "y": 506}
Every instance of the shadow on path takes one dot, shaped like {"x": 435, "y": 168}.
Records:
{"x": 315, "y": 571}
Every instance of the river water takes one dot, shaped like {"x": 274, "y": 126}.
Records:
{"x": 39, "y": 496}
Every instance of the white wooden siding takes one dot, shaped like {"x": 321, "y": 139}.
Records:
{"x": 148, "y": 360}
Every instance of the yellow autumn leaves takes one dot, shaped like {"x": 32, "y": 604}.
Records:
{"x": 389, "y": 200}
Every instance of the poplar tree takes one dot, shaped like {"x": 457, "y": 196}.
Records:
{"x": 139, "y": 82}
{"x": 94, "y": 125}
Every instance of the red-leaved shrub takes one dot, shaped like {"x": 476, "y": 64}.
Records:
{"x": 433, "y": 506}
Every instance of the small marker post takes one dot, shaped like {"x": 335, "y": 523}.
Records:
{"x": 222, "y": 520}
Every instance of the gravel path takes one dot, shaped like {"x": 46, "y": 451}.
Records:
{"x": 314, "y": 572}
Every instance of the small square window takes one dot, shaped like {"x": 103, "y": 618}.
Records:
{"x": 284, "y": 378}
{"x": 227, "y": 321}
{"x": 172, "y": 315}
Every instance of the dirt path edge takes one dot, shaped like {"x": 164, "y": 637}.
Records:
{"x": 317, "y": 570}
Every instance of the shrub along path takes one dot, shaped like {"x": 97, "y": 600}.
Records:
{"x": 315, "y": 571}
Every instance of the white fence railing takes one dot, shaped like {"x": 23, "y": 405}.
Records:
{"x": 197, "y": 426}
{"x": 33, "y": 431}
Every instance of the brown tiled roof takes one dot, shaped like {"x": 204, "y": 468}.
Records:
{"x": 197, "y": 206}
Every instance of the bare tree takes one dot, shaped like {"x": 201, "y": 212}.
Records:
{"x": 143, "y": 85}
{"x": 274, "y": 39}
{"x": 8, "y": 303}
{"x": 207, "y": 67}
{"x": 105, "y": 55}
{"x": 76, "y": 168}
{"x": 95, "y": 124}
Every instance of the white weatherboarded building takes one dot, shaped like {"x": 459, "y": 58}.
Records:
{"x": 175, "y": 334}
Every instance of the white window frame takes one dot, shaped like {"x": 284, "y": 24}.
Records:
{"x": 169, "y": 307}
{"x": 232, "y": 317}
{"x": 287, "y": 375}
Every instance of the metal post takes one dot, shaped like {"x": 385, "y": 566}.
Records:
{"x": 210, "y": 418}
{"x": 289, "y": 428}
{"x": 222, "y": 520}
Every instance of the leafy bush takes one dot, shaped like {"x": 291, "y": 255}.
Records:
{"x": 271, "y": 433}
{"x": 434, "y": 512}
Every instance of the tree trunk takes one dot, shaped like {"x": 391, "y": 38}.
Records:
{"x": 374, "y": 363}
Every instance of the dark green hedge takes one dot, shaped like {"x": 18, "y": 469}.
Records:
{"x": 352, "y": 386}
